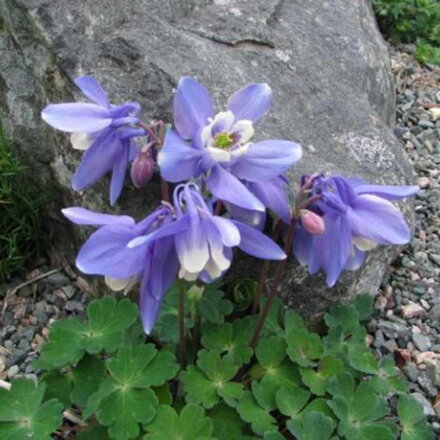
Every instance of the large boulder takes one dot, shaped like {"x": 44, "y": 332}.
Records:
{"x": 326, "y": 62}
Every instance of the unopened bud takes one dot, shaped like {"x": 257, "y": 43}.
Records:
{"x": 142, "y": 168}
{"x": 312, "y": 222}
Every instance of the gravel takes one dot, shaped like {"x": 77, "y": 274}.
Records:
{"x": 407, "y": 318}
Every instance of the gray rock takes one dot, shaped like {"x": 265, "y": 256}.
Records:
{"x": 435, "y": 312}
{"x": 427, "y": 407}
{"x": 422, "y": 342}
{"x": 411, "y": 371}
{"x": 12, "y": 371}
{"x": 326, "y": 62}
{"x": 425, "y": 382}
{"x": 392, "y": 329}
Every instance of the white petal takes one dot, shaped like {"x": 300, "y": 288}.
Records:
{"x": 225, "y": 119}
{"x": 219, "y": 155}
{"x": 363, "y": 244}
{"x": 237, "y": 152}
{"x": 213, "y": 270}
{"x": 118, "y": 284}
{"x": 244, "y": 129}
{"x": 81, "y": 141}
{"x": 188, "y": 276}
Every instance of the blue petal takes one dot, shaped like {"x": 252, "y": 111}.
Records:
{"x": 93, "y": 90}
{"x": 82, "y": 216}
{"x": 118, "y": 174}
{"x": 192, "y": 107}
{"x": 106, "y": 253}
{"x": 252, "y": 102}
{"x": 302, "y": 245}
{"x": 355, "y": 261}
{"x": 332, "y": 248}
{"x": 389, "y": 192}
{"x": 378, "y": 220}
{"x": 266, "y": 160}
{"x": 97, "y": 161}
{"x": 273, "y": 194}
{"x": 225, "y": 186}
{"x": 177, "y": 160}
{"x": 82, "y": 117}
{"x": 256, "y": 219}
{"x": 255, "y": 243}
{"x": 161, "y": 271}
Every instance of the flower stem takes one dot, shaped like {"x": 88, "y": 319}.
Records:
{"x": 264, "y": 269}
{"x": 165, "y": 191}
{"x": 182, "y": 348}
{"x": 274, "y": 286}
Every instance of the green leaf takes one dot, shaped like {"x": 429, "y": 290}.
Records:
{"x": 272, "y": 324}
{"x": 227, "y": 424}
{"x": 293, "y": 320}
{"x": 105, "y": 330}
{"x": 412, "y": 419}
{"x": 364, "y": 306}
{"x": 163, "y": 394}
{"x": 85, "y": 378}
{"x": 261, "y": 421}
{"x": 388, "y": 378}
{"x": 190, "y": 424}
{"x": 77, "y": 384}
{"x": 303, "y": 347}
{"x": 58, "y": 386}
{"x": 271, "y": 352}
{"x": 63, "y": 346}
{"x": 230, "y": 338}
{"x": 264, "y": 393}
{"x": 312, "y": 426}
{"x": 365, "y": 362}
{"x": 23, "y": 415}
{"x": 125, "y": 399}
{"x": 93, "y": 433}
{"x": 317, "y": 380}
{"x": 211, "y": 380}
{"x": 291, "y": 400}
{"x": 319, "y": 405}
{"x": 108, "y": 320}
{"x": 343, "y": 316}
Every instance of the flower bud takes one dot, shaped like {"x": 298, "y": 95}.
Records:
{"x": 312, "y": 222}
{"x": 142, "y": 168}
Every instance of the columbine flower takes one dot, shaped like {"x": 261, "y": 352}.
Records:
{"x": 185, "y": 240}
{"x": 357, "y": 217}
{"x": 217, "y": 147}
{"x": 103, "y": 129}
{"x": 142, "y": 167}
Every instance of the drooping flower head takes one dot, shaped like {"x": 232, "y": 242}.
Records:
{"x": 356, "y": 216}
{"x": 218, "y": 147}
{"x": 104, "y": 130}
{"x": 186, "y": 240}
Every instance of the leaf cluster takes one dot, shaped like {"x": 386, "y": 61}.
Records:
{"x": 294, "y": 385}
{"x": 412, "y": 21}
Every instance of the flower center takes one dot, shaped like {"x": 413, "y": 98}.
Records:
{"x": 224, "y": 140}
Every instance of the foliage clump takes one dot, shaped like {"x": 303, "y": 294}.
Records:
{"x": 20, "y": 214}
{"x": 296, "y": 384}
{"x": 412, "y": 21}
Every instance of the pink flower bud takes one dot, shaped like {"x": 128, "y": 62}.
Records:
{"x": 142, "y": 168}
{"x": 312, "y": 222}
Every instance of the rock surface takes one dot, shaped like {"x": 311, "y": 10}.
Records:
{"x": 326, "y": 62}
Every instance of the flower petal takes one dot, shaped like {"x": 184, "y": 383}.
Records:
{"x": 76, "y": 116}
{"x": 93, "y": 90}
{"x": 192, "y": 246}
{"x": 356, "y": 260}
{"x": 251, "y": 102}
{"x": 331, "y": 249}
{"x": 192, "y": 107}
{"x": 178, "y": 160}
{"x": 378, "y": 220}
{"x": 106, "y": 253}
{"x": 82, "y": 216}
{"x": 225, "y": 186}
{"x": 389, "y": 192}
{"x": 255, "y": 243}
{"x": 266, "y": 160}
{"x": 256, "y": 219}
{"x": 97, "y": 161}
{"x": 302, "y": 245}
{"x": 229, "y": 234}
{"x": 274, "y": 196}
{"x": 118, "y": 174}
